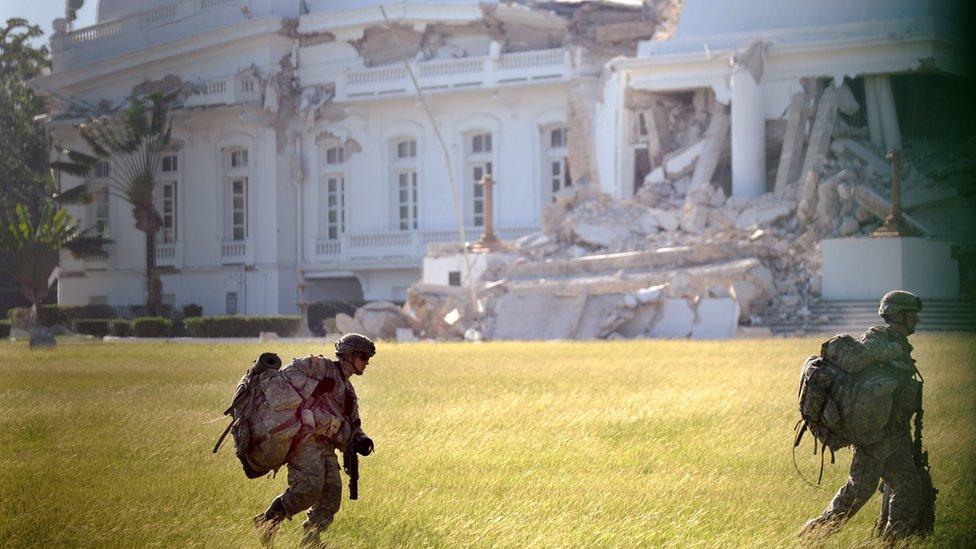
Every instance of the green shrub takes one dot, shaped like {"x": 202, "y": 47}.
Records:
{"x": 4, "y": 329}
{"x": 120, "y": 328}
{"x": 18, "y": 315}
{"x": 192, "y": 310}
{"x": 97, "y": 327}
{"x": 151, "y": 326}
{"x": 52, "y": 315}
{"x": 242, "y": 326}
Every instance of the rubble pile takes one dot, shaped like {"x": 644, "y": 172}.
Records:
{"x": 684, "y": 259}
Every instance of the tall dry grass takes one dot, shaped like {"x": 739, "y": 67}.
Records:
{"x": 557, "y": 444}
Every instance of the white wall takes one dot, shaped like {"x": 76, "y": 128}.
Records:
{"x": 513, "y": 117}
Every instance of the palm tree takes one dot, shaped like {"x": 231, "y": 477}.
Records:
{"x": 133, "y": 144}
{"x": 30, "y": 246}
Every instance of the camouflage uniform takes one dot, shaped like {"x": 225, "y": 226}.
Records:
{"x": 313, "y": 470}
{"x": 890, "y": 459}
{"x": 330, "y": 420}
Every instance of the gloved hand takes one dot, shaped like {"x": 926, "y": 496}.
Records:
{"x": 362, "y": 444}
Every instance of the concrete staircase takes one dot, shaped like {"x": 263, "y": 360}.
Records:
{"x": 830, "y": 317}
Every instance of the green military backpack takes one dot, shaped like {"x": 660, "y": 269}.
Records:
{"x": 844, "y": 398}
{"x": 266, "y": 416}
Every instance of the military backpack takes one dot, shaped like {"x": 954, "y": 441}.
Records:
{"x": 266, "y": 416}
{"x": 844, "y": 397}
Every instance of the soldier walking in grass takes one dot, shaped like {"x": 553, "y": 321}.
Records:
{"x": 329, "y": 413}
{"x": 908, "y": 496}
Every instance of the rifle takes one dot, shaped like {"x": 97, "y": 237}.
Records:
{"x": 359, "y": 444}
{"x": 925, "y": 521}
{"x": 350, "y": 463}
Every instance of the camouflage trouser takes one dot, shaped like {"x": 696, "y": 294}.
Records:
{"x": 891, "y": 461}
{"x": 313, "y": 484}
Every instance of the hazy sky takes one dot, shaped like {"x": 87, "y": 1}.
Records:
{"x": 42, "y": 12}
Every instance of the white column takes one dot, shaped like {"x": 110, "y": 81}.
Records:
{"x": 872, "y": 111}
{"x": 748, "y": 135}
{"x": 889, "y": 115}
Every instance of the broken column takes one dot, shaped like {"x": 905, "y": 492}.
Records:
{"x": 748, "y": 126}
{"x": 579, "y": 113}
{"x": 882, "y": 115}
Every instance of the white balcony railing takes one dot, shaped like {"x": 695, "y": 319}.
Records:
{"x": 230, "y": 90}
{"x": 454, "y": 74}
{"x": 169, "y": 255}
{"x": 236, "y": 251}
{"x": 173, "y": 21}
{"x": 351, "y": 248}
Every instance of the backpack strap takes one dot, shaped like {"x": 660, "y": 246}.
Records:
{"x": 799, "y": 434}
{"x": 223, "y": 435}
{"x": 823, "y": 446}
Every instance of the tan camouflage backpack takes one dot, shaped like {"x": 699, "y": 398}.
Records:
{"x": 266, "y": 416}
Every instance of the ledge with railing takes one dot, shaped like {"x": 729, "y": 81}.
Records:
{"x": 230, "y": 90}
{"x": 234, "y": 252}
{"x": 174, "y": 21}
{"x": 455, "y": 74}
{"x": 350, "y": 248}
{"x": 169, "y": 255}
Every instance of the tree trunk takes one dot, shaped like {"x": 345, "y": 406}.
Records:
{"x": 154, "y": 287}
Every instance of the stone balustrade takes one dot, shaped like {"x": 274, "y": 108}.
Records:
{"x": 350, "y": 248}
{"x": 167, "y": 23}
{"x": 455, "y": 74}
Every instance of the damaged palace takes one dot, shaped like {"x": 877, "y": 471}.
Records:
{"x": 663, "y": 168}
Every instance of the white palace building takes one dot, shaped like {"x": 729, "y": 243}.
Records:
{"x": 304, "y": 168}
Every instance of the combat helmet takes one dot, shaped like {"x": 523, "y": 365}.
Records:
{"x": 898, "y": 301}
{"x": 354, "y": 343}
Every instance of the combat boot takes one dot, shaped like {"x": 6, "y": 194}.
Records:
{"x": 311, "y": 540}
{"x": 267, "y": 523}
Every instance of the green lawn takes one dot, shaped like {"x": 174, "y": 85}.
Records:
{"x": 632, "y": 444}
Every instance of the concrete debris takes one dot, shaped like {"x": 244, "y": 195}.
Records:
{"x": 682, "y": 257}
{"x": 791, "y": 156}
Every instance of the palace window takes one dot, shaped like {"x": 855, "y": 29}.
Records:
{"x": 555, "y": 164}
{"x": 478, "y": 153}
{"x": 406, "y": 186}
{"x": 166, "y": 199}
{"x": 334, "y": 192}
{"x": 98, "y": 209}
{"x": 236, "y": 215}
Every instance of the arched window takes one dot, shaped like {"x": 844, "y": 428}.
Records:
{"x": 478, "y": 155}
{"x": 555, "y": 152}
{"x": 166, "y": 198}
{"x": 405, "y": 182}
{"x": 98, "y": 210}
{"x": 236, "y": 183}
{"x": 333, "y": 222}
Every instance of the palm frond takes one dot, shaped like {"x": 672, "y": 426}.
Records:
{"x": 71, "y": 168}
{"x": 88, "y": 247}
{"x": 80, "y": 194}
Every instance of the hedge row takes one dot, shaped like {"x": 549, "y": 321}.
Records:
{"x": 152, "y": 326}
{"x": 52, "y": 315}
{"x": 97, "y": 327}
{"x": 65, "y": 315}
{"x": 242, "y": 326}
{"x": 120, "y": 328}
{"x": 139, "y": 327}
{"x": 4, "y": 329}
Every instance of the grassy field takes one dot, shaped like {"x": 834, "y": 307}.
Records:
{"x": 601, "y": 444}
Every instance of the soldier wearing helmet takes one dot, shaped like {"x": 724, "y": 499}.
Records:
{"x": 890, "y": 459}
{"x": 313, "y": 469}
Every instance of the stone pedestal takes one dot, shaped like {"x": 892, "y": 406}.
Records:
{"x": 440, "y": 264}
{"x": 867, "y": 268}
